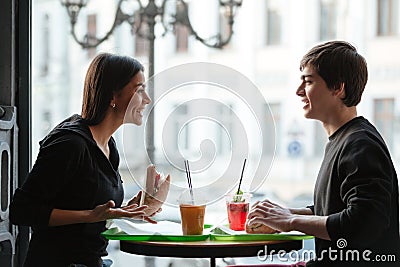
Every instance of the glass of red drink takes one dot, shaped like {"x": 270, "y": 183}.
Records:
{"x": 238, "y": 208}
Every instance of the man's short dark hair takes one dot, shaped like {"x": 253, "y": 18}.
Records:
{"x": 338, "y": 62}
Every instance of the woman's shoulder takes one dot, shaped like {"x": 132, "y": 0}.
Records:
{"x": 71, "y": 131}
{"x": 65, "y": 146}
{"x": 65, "y": 141}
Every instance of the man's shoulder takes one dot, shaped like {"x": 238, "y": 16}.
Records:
{"x": 361, "y": 132}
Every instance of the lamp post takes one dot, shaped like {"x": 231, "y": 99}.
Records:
{"x": 147, "y": 16}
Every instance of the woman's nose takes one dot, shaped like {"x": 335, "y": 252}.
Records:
{"x": 147, "y": 99}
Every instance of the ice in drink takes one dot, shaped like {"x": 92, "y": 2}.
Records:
{"x": 237, "y": 214}
{"x": 237, "y": 207}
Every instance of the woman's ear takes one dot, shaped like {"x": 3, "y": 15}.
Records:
{"x": 112, "y": 102}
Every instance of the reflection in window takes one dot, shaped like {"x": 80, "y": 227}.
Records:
{"x": 181, "y": 32}
{"x": 45, "y": 46}
{"x": 274, "y": 26}
{"x": 182, "y": 38}
{"x": 91, "y": 32}
{"x": 328, "y": 15}
{"x": 387, "y": 17}
{"x": 225, "y": 117}
{"x": 320, "y": 138}
{"x": 141, "y": 42}
{"x": 224, "y": 26}
{"x": 181, "y": 112}
{"x": 269, "y": 128}
{"x": 384, "y": 119}
{"x": 46, "y": 122}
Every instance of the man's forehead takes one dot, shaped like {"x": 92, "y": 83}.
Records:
{"x": 308, "y": 71}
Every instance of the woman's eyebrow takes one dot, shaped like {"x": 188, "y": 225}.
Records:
{"x": 140, "y": 84}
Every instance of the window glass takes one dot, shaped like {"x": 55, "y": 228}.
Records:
{"x": 328, "y": 17}
{"x": 387, "y": 17}
{"x": 256, "y": 50}
{"x": 384, "y": 119}
{"x": 274, "y": 26}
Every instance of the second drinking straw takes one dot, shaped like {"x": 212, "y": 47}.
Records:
{"x": 241, "y": 177}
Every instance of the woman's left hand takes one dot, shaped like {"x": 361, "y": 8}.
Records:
{"x": 136, "y": 201}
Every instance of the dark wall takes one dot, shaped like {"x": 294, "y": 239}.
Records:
{"x": 15, "y": 90}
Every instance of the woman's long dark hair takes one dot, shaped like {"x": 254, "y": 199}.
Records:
{"x": 106, "y": 75}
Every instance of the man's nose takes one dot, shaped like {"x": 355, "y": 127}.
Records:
{"x": 300, "y": 90}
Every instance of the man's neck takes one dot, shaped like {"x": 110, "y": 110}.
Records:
{"x": 341, "y": 118}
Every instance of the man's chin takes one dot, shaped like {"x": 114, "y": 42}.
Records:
{"x": 307, "y": 115}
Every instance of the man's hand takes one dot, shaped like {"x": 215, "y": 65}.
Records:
{"x": 285, "y": 220}
{"x": 272, "y": 215}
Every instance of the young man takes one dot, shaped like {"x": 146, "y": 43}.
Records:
{"x": 355, "y": 216}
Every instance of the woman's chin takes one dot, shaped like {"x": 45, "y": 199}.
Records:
{"x": 138, "y": 122}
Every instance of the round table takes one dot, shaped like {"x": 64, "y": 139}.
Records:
{"x": 208, "y": 249}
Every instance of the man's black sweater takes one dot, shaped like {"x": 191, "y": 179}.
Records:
{"x": 357, "y": 188}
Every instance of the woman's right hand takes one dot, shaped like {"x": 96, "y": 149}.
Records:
{"x": 155, "y": 201}
{"x": 107, "y": 211}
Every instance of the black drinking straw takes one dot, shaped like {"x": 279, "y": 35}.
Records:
{"x": 241, "y": 177}
{"x": 189, "y": 179}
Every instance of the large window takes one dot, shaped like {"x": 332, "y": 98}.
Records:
{"x": 387, "y": 17}
{"x": 269, "y": 38}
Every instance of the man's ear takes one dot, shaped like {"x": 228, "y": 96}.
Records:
{"x": 340, "y": 92}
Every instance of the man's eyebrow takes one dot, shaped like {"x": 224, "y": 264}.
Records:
{"x": 302, "y": 77}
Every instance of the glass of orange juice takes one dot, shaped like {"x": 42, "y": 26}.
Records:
{"x": 192, "y": 208}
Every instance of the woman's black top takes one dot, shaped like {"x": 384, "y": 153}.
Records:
{"x": 70, "y": 173}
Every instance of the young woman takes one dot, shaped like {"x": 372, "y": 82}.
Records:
{"x": 74, "y": 185}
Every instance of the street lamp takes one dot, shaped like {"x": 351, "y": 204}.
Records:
{"x": 147, "y": 16}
